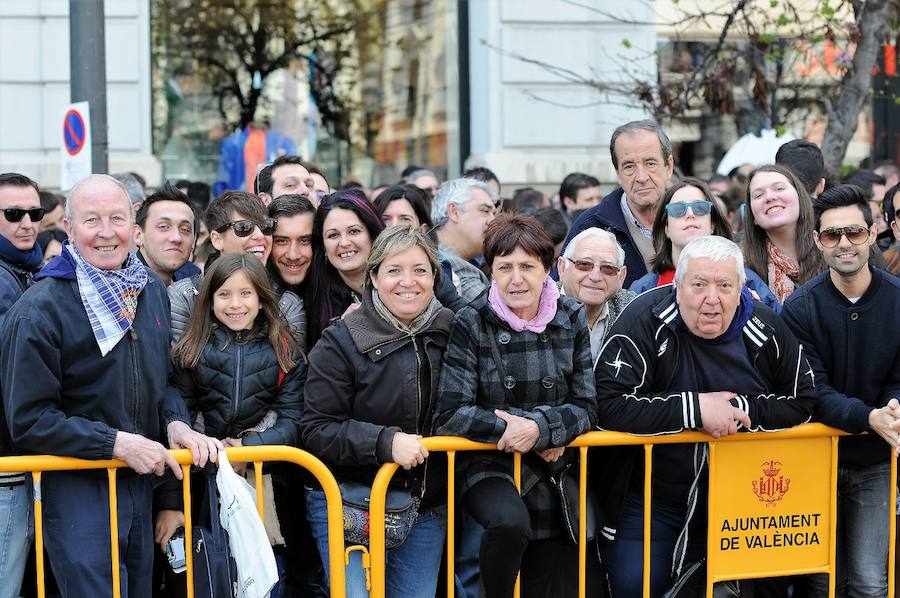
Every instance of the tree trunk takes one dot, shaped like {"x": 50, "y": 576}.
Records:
{"x": 872, "y": 22}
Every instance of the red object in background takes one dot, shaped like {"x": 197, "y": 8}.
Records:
{"x": 890, "y": 60}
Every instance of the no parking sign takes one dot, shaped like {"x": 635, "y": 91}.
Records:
{"x": 75, "y": 149}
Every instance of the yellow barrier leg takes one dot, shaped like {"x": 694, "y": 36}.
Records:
{"x": 892, "y": 534}
{"x": 257, "y": 470}
{"x": 517, "y": 478}
{"x": 832, "y": 532}
{"x": 114, "y": 531}
{"x": 711, "y": 504}
{"x": 648, "y": 472}
{"x": 582, "y": 522}
{"x": 188, "y": 528}
{"x": 451, "y": 523}
{"x": 38, "y": 533}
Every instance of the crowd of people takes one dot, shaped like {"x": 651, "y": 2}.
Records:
{"x": 353, "y": 322}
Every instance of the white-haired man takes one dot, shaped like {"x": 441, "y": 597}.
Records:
{"x": 704, "y": 357}
{"x": 83, "y": 356}
{"x": 592, "y": 270}
{"x": 461, "y": 211}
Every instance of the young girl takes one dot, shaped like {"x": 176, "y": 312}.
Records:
{"x": 237, "y": 366}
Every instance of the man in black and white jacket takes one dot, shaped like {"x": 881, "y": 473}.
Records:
{"x": 697, "y": 355}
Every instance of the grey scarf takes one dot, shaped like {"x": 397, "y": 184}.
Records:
{"x": 418, "y": 323}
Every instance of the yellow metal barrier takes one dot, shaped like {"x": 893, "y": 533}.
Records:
{"x": 753, "y": 447}
{"x": 255, "y": 454}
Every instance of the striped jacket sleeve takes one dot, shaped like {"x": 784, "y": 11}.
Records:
{"x": 626, "y": 398}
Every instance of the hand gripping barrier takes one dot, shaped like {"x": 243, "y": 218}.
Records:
{"x": 750, "y": 490}
{"x": 255, "y": 454}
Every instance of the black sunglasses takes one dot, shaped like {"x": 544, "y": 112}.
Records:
{"x": 16, "y": 214}
{"x": 830, "y": 237}
{"x": 244, "y": 228}
{"x": 588, "y": 266}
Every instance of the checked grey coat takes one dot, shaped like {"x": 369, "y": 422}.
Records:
{"x": 550, "y": 381}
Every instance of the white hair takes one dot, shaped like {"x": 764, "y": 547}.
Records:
{"x": 95, "y": 178}
{"x": 458, "y": 192}
{"x": 599, "y": 233}
{"x": 714, "y": 248}
{"x": 415, "y": 175}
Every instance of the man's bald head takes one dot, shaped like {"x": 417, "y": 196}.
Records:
{"x": 93, "y": 184}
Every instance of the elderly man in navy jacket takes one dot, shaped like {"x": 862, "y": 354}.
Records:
{"x": 848, "y": 318}
{"x": 642, "y": 156}
{"x": 83, "y": 361}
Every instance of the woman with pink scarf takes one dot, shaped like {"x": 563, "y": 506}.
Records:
{"x": 517, "y": 372}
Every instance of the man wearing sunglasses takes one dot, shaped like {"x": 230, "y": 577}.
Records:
{"x": 892, "y": 212}
{"x": 20, "y": 258}
{"x": 848, "y": 319}
{"x": 237, "y": 223}
{"x": 592, "y": 269}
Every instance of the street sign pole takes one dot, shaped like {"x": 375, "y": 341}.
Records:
{"x": 87, "y": 59}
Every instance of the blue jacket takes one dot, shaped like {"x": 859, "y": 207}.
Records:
{"x": 854, "y": 350}
{"x": 231, "y": 173}
{"x": 608, "y": 216}
{"x": 754, "y": 283}
{"x": 62, "y": 397}
{"x": 13, "y": 282}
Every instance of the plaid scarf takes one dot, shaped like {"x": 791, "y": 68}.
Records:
{"x": 783, "y": 273}
{"x": 110, "y": 297}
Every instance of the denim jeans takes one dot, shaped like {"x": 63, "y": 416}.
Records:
{"x": 412, "y": 568}
{"x": 864, "y": 514}
{"x": 468, "y": 543}
{"x": 16, "y": 534}
{"x": 624, "y": 558}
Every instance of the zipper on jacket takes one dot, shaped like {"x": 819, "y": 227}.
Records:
{"x": 238, "y": 368}
{"x": 135, "y": 383}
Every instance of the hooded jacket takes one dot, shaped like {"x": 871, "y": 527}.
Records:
{"x": 62, "y": 397}
{"x": 636, "y": 394}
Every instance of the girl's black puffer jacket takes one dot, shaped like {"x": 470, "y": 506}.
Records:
{"x": 236, "y": 383}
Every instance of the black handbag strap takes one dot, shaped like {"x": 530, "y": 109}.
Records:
{"x": 215, "y": 525}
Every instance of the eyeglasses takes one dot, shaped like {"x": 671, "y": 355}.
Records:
{"x": 16, "y": 214}
{"x": 589, "y": 265}
{"x": 678, "y": 209}
{"x": 830, "y": 237}
{"x": 244, "y": 228}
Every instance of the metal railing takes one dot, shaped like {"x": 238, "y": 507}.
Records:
{"x": 37, "y": 465}
{"x": 453, "y": 445}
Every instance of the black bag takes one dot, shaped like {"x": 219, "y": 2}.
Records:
{"x": 692, "y": 584}
{"x": 564, "y": 478}
{"x": 215, "y": 572}
{"x": 401, "y": 509}
{"x": 566, "y": 483}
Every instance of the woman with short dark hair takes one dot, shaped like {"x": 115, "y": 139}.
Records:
{"x": 517, "y": 372}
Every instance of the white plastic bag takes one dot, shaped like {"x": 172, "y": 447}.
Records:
{"x": 256, "y": 569}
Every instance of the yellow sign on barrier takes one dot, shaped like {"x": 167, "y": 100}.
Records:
{"x": 770, "y": 507}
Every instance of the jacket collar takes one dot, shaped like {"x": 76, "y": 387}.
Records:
{"x": 370, "y": 331}
{"x": 871, "y": 291}
{"x": 62, "y": 267}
